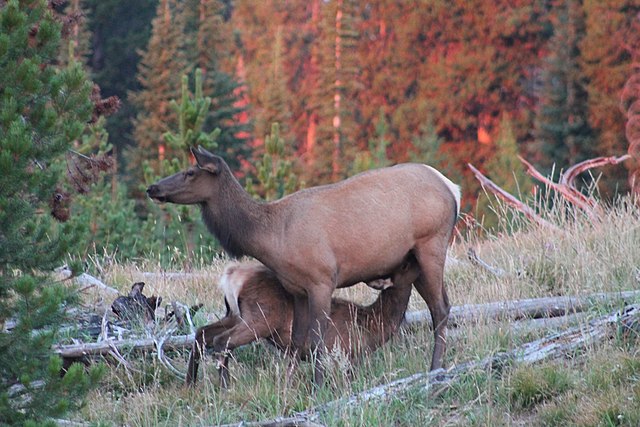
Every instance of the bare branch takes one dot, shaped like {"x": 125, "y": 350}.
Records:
{"x": 478, "y": 262}
{"x": 510, "y": 199}
{"x": 78, "y": 350}
{"x": 570, "y": 175}
{"x": 569, "y": 193}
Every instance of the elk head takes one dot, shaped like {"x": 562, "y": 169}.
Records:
{"x": 193, "y": 185}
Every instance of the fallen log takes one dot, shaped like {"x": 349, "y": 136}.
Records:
{"x": 526, "y": 308}
{"x": 84, "y": 280}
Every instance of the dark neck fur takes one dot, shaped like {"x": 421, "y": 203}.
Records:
{"x": 234, "y": 218}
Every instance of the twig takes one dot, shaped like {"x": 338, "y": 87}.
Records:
{"x": 165, "y": 362}
{"x": 475, "y": 260}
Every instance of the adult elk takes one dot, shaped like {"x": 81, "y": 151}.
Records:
{"x": 336, "y": 235}
{"x": 259, "y": 307}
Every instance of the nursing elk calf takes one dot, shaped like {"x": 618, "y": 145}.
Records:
{"x": 259, "y": 307}
{"x": 318, "y": 239}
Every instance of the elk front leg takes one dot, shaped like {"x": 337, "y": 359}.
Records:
{"x": 319, "y": 312}
{"x": 300, "y": 326}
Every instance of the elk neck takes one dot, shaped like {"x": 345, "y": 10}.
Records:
{"x": 240, "y": 223}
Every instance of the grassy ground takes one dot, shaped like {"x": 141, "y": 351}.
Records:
{"x": 600, "y": 386}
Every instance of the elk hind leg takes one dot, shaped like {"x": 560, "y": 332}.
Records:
{"x": 430, "y": 285}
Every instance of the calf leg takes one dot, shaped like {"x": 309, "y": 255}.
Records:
{"x": 240, "y": 334}
{"x": 204, "y": 338}
{"x": 430, "y": 286}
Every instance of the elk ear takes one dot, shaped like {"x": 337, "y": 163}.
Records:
{"x": 206, "y": 160}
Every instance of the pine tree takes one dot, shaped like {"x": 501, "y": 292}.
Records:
{"x": 275, "y": 108}
{"x": 161, "y": 67}
{"x": 427, "y": 148}
{"x": 562, "y": 129}
{"x": 192, "y": 111}
{"x": 43, "y": 109}
{"x": 208, "y": 40}
{"x": 275, "y": 176}
{"x": 120, "y": 30}
{"x": 376, "y": 154}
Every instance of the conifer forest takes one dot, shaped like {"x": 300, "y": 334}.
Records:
{"x": 531, "y": 106}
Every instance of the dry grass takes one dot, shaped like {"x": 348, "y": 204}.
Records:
{"x": 601, "y": 387}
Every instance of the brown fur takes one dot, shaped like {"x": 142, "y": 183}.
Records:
{"x": 336, "y": 235}
{"x": 266, "y": 311}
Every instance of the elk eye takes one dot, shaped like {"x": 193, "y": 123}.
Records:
{"x": 190, "y": 173}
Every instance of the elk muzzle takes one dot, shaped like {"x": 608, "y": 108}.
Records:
{"x": 155, "y": 193}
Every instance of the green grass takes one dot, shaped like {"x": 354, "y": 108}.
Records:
{"x": 598, "y": 387}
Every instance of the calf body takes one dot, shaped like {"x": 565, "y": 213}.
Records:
{"x": 336, "y": 235}
{"x": 258, "y": 307}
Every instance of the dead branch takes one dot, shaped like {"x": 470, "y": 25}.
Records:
{"x": 523, "y": 309}
{"x": 571, "y": 194}
{"x": 478, "y": 262}
{"x": 104, "y": 347}
{"x": 569, "y": 176}
{"x": 510, "y": 199}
